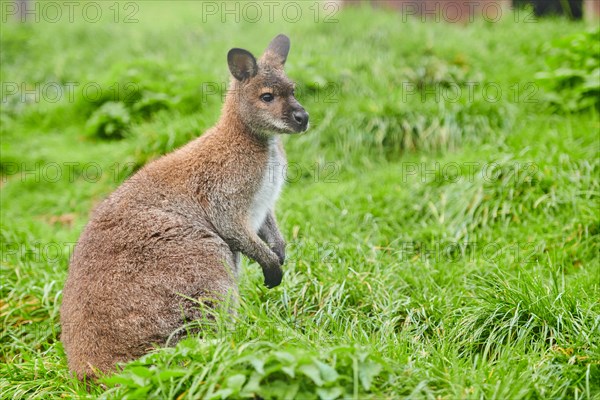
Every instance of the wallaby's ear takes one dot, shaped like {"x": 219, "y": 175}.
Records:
{"x": 278, "y": 50}
{"x": 242, "y": 64}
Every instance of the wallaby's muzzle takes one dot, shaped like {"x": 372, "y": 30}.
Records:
{"x": 300, "y": 120}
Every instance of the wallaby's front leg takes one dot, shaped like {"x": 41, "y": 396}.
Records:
{"x": 269, "y": 232}
{"x": 242, "y": 238}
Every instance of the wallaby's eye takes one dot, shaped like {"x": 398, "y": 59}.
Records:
{"x": 267, "y": 97}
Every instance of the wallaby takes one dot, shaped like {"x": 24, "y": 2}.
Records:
{"x": 171, "y": 234}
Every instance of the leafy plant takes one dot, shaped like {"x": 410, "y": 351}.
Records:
{"x": 253, "y": 369}
{"x": 110, "y": 121}
{"x": 573, "y": 74}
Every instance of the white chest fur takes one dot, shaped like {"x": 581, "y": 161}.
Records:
{"x": 272, "y": 182}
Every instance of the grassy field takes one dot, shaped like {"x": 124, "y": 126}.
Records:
{"x": 442, "y": 214}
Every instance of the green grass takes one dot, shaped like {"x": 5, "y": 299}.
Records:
{"x": 438, "y": 248}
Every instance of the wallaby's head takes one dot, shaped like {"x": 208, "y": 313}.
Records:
{"x": 264, "y": 95}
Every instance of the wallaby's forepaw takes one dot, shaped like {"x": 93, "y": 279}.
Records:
{"x": 273, "y": 273}
{"x": 279, "y": 250}
{"x": 273, "y": 277}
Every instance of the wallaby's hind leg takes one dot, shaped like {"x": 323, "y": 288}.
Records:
{"x": 178, "y": 280}
{"x": 202, "y": 277}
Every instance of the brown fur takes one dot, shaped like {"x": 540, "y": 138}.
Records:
{"x": 176, "y": 228}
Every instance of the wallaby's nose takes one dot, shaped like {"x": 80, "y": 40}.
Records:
{"x": 301, "y": 117}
